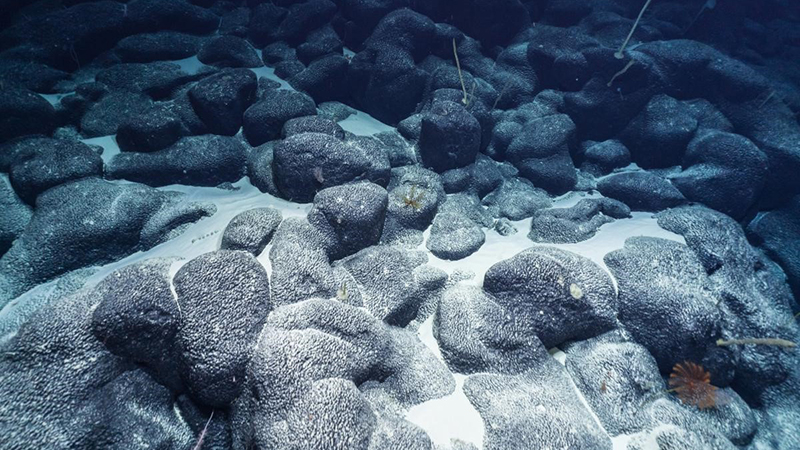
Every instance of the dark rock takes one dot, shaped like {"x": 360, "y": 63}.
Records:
{"x": 601, "y": 113}
{"x": 105, "y": 116}
{"x": 541, "y": 152}
{"x": 112, "y": 416}
{"x": 157, "y": 128}
{"x": 320, "y": 42}
{"x": 221, "y": 99}
{"x": 515, "y": 407}
{"x": 228, "y": 51}
{"x": 351, "y": 214}
{"x": 504, "y": 227}
{"x": 331, "y": 407}
{"x": 659, "y": 134}
{"x": 77, "y": 224}
{"x": 577, "y": 223}
{"x": 304, "y": 17}
{"x": 25, "y": 112}
{"x": 41, "y": 377}
{"x": 383, "y": 78}
{"x": 516, "y": 199}
{"x": 266, "y": 86}
{"x": 66, "y": 38}
{"x": 641, "y": 191}
{"x": 251, "y": 230}
{"x": 158, "y": 46}
{"x": 194, "y": 160}
{"x": 312, "y": 124}
{"x": 337, "y": 112}
{"x": 724, "y": 171}
{"x": 450, "y": 137}
{"x": 305, "y": 163}
{"x": 417, "y": 375}
{"x": 225, "y": 299}
{"x": 177, "y": 15}
{"x": 411, "y": 127}
{"x": 390, "y": 283}
{"x": 468, "y": 206}
{"x": 776, "y": 231}
{"x": 600, "y": 158}
{"x": 278, "y": 52}
{"x": 454, "y": 236}
{"x": 617, "y": 379}
{"x": 495, "y": 345}
{"x": 15, "y": 217}
{"x": 235, "y": 22}
{"x": 156, "y": 79}
{"x": 265, "y": 119}
{"x": 563, "y": 296}
{"x": 675, "y": 321}
{"x": 172, "y": 220}
{"x": 138, "y": 318}
{"x": 412, "y": 206}
{"x": 181, "y": 105}
{"x": 754, "y": 298}
{"x": 301, "y": 345}
{"x": 324, "y": 79}
{"x": 456, "y": 180}
{"x": 709, "y": 118}
{"x": 31, "y": 75}
{"x": 485, "y": 176}
{"x": 259, "y": 168}
{"x": 53, "y": 162}
{"x": 265, "y": 19}
{"x": 492, "y": 22}
{"x": 289, "y": 68}
{"x": 300, "y": 265}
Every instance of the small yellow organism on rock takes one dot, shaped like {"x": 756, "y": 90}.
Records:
{"x": 575, "y": 291}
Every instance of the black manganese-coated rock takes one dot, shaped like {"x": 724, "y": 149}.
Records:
{"x": 724, "y": 171}
{"x": 352, "y": 214}
{"x": 221, "y": 99}
{"x": 450, "y": 137}
{"x": 138, "y": 317}
{"x": 207, "y": 160}
{"x": 672, "y": 320}
{"x": 158, "y": 46}
{"x": 15, "y": 217}
{"x": 399, "y": 224}
{"x": 577, "y": 223}
{"x": 308, "y": 162}
{"x": 658, "y": 136}
{"x": 641, "y": 191}
{"x": 77, "y": 224}
{"x": 265, "y": 119}
{"x": 228, "y": 51}
{"x": 561, "y": 295}
{"x": 51, "y": 163}
{"x": 224, "y": 299}
{"x": 312, "y": 124}
{"x": 251, "y": 230}
{"x": 158, "y": 127}
{"x": 25, "y": 112}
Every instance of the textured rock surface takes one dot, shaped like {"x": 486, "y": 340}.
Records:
{"x": 561, "y": 295}
{"x": 224, "y": 299}
{"x": 251, "y": 230}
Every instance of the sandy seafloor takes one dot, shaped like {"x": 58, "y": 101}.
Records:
{"x": 446, "y": 418}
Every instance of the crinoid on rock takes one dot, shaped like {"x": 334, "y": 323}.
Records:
{"x": 414, "y": 198}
